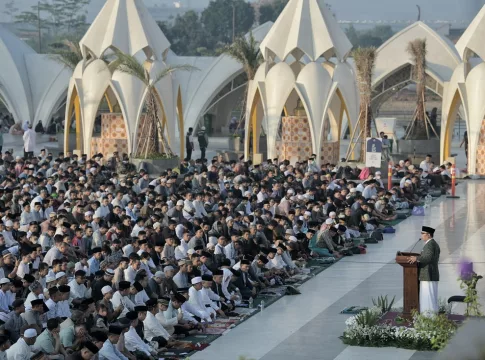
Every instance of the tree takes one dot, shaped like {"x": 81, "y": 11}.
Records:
{"x": 153, "y": 140}
{"x": 374, "y": 37}
{"x": 352, "y": 35}
{"x": 69, "y": 56}
{"x": 187, "y": 35}
{"x": 418, "y": 129}
{"x": 245, "y": 50}
{"x": 271, "y": 11}
{"x": 364, "y": 59}
{"x": 11, "y": 10}
{"x": 217, "y": 19}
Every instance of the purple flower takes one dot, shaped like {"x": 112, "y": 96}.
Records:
{"x": 466, "y": 270}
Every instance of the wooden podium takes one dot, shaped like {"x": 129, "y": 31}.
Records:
{"x": 411, "y": 283}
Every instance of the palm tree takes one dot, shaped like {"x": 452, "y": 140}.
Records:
{"x": 364, "y": 59}
{"x": 70, "y": 56}
{"x": 420, "y": 124}
{"x": 245, "y": 50}
{"x": 152, "y": 141}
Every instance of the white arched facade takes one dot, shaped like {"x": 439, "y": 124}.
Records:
{"x": 305, "y": 53}
{"x": 32, "y": 86}
{"x": 466, "y": 90}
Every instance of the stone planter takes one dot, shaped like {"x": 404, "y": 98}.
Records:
{"x": 157, "y": 166}
{"x": 235, "y": 143}
{"x": 418, "y": 149}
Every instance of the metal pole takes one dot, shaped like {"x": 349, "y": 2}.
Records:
{"x": 38, "y": 25}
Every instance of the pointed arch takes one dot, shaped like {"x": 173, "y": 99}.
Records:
{"x": 74, "y": 105}
{"x": 450, "y": 124}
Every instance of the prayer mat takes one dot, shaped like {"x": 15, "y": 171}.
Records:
{"x": 353, "y": 309}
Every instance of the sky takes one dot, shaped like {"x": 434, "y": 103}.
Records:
{"x": 351, "y": 10}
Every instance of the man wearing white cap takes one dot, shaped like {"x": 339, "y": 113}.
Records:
{"x": 4, "y": 301}
{"x": 21, "y": 350}
{"x": 7, "y": 234}
{"x": 113, "y": 313}
{"x": 195, "y": 300}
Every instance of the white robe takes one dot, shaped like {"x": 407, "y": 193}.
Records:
{"x": 428, "y": 297}
{"x": 29, "y": 140}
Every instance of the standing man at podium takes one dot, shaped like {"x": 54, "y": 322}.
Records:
{"x": 428, "y": 271}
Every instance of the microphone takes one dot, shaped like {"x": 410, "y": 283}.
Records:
{"x": 415, "y": 245}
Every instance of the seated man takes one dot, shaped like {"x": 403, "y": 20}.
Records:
{"x": 244, "y": 282}
{"x": 325, "y": 245}
{"x": 49, "y": 342}
{"x": 16, "y": 323}
{"x": 88, "y": 351}
{"x": 153, "y": 329}
{"x": 195, "y": 303}
{"x": 134, "y": 343}
{"x": 110, "y": 351}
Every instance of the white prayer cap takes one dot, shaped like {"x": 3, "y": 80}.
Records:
{"x": 210, "y": 246}
{"x": 109, "y": 272}
{"x": 229, "y": 218}
{"x": 246, "y": 193}
{"x": 378, "y": 173}
{"x": 168, "y": 268}
{"x": 408, "y": 181}
{"x": 301, "y": 218}
{"x": 329, "y": 221}
{"x": 332, "y": 214}
{"x": 60, "y": 274}
{"x": 49, "y": 279}
{"x": 190, "y": 251}
{"x": 88, "y": 213}
{"x": 9, "y": 223}
{"x": 212, "y": 240}
{"x": 308, "y": 213}
{"x": 180, "y": 202}
{"x": 93, "y": 169}
{"x": 292, "y": 238}
{"x": 156, "y": 225}
{"x": 106, "y": 289}
{"x": 196, "y": 280}
{"x": 30, "y": 333}
{"x": 4, "y": 281}
{"x": 82, "y": 178}
{"x": 159, "y": 274}
{"x": 26, "y": 186}
{"x": 353, "y": 190}
{"x": 290, "y": 191}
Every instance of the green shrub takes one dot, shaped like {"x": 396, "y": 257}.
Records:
{"x": 383, "y": 303}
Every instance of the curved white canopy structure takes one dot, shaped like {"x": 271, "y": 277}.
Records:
{"x": 308, "y": 32}
{"x": 127, "y": 26}
{"x": 32, "y": 86}
{"x": 306, "y": 27}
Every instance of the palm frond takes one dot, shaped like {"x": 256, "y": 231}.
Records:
{"x": 129, "y": 65}
{"x": 170, "y": 69}
{"x": 245, "y": 50}
{"x": 69, "y": 57}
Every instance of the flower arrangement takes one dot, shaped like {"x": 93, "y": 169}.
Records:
{"x": 428, "y": 332}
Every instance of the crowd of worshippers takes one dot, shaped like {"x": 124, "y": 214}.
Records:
{"x": 124, "y": 266}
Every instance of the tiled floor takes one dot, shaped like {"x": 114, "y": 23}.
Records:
{"x": 307, "y": 326}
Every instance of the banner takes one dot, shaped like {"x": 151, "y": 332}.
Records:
{"x": 373, "y": 152}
